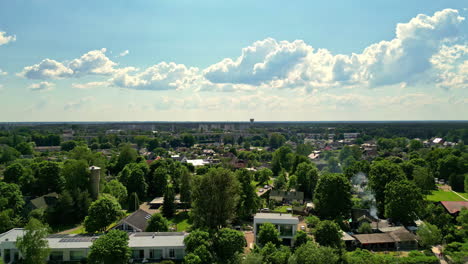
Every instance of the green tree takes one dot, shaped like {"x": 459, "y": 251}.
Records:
{"x": 24, "y": 148}
{"x": 127, "y": 155}
{"x": 248, "y": 202}
{"x": 111, "y": 248}
{"x": 423, "y": 178}
{"x": 13, "y": 173}
{"x": 268, "y": 233}
{"x": 328, "y": 233}
{"x": 333, "y": 165}
{"x": 253, "y": 258}
{"x": 8, "y": 220}
{"x": 157, "y": 223}
{"x": 169, "y": 206}
{"x": 133, "y": 202}
{"x": 153, "y": 144}
{"x": 310, "y": 253}
{"x": 10, "y": 197}
{"x": 402, "y": 200}
{"x": 429, "y": 235}
{"x": 185, "y": 186}
{"x": 76, "y": 174}
{"x": 264, "y": 175}
{"x": 195, "y": 239}
{"x": 49, "y": 177}
{"x": 188, "y": 140}
{"x": 415, "y": 145}
{"x": 365, "y": 228}
{"x": 301, "y": 238}
{"x": 280, "y": 181}
{"x": 133, "y": 177}
{"x": 160, "y": 177}
{"x": 283, "y": 158}
{"x": 215, "y": 196}
{"x": 457, "y": 182}
{"x": 333, "y": 196}
{"x": 228, "y": 243}
{"x": 33, "y": 246}
{"x": 116, "y": 189}
{"x": 276, "y": 140}
{"x": 68, "y": 145}
{"x": 274, "y": 255}
{"x": 191, "y": 258}
{"x": 102, "y": 212}
{"x": 381, "y": 173}
{"x": 307, "y": 177}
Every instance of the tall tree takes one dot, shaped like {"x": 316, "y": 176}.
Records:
{"x": 10, "y": 197}
{"x": 33, "y": 246}
{"x": 402, "y": 201}
{"x": 215, "y": 196}
{"x": 381, "y": 173}
{"x": 49, "y": 177}
{"x": 76, "y": 174}
{"x": 111, "y": 248}
{"x": 248, "y": 202}
{"x": 333, "y": 196}
{"x": 127, "y": 155}
{"x": 310, "y": 253}
{"x": 159, "y": 184}
{"x": 169, "y": 206}
{"x": 116, "y": 189}
{"x": 185, "y": 186}
{"x": 277, "y": 140}
{"x": 423, "y": 178}
{"x": 102, "y": 212}
{"x": 429, "y": 235}
{"x": 307, "y": 176}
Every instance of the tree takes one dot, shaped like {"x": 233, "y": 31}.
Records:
{"x": 283, "y": 158}
{"x": 228, "y": 243}
{"x": 13, "y": 173}
{"x": 24, "y": 148}
{"x": 76, "y": 174}
{"x": 10, "y": 197}
{"x": 365, "y": 228}
{"x": 195, "y": 239}
{"x": 8, "y": 154}
{"x": 191, "y": 258}
{"x": 274, "y": 255}
{"x": 111, "y": 248}
{"x": 333, "y": 196}
{"x": 169, "y": 206}
{"x": 102, "y": 212}
{"x": 402, "y": 200}
{"x": 68, "y": 145}
{"x": 310, "y": 253}
{"x": 300, "y": 238}
{"x": 248, "y": 202}
{"x": 333, "y": 165}
{"x": 127, "y": 155}
{"x": 415, "y": 145}
{"x": 429, "y": 235}
{"x": 381, "y": 173}
{"x": 423, "y": 178}
{"x": 253, "y": 258}
{"x": 133, "y": 202}
{"x": 307, "y": 176}
{"x": 280, "y": 181}
{"x": 153, "y": 144}
{"x": 185, "y": 186}
{"x": 49, "y": 177}
{"x": 160, "y": 176}
{"x": 268, "y": 233}
{"x": 157, "y": 223}
{"x": 215, "y": 196}
{"x": 33, "y": 246}
{"x": 188, "y": 140}
{"x": 328, "y": 233}
{"x": 8, "y": 220}
{"x": 264, "y": 175}
{"x": 276, "y": 140}
{"x": 133, "y": 177}
{"x": 457, "y": 182}
{"x": 116, "y": 189}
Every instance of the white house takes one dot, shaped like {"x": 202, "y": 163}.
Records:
{"x": 145, "y": 246}
{"x": 285, "y": 223}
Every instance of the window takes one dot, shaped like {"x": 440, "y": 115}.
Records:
{"x": 156, "y": 254}
{"x": 138, "y": 254}
{"x": 286, "y": 230}
{"x": 77, "y": 255}
{"x": 171, "y": 253}
{"x": 56, "y": 255}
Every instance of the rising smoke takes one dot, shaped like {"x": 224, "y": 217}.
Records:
{"x": 359, "y": 182}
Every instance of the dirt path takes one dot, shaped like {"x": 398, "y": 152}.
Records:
{"x": 460, "y": 195}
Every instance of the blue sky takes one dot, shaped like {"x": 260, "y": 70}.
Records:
{"x": 219, "y": 60}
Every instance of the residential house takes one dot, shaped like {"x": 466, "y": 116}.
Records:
{"x": 285, "y": 223}
{"x": 43, "y": 202}
{"x": 136, "y": 222}
{"x": 454, "y": 207}
{"x": 287, "y": 197}
{"x": 145, "y": 246}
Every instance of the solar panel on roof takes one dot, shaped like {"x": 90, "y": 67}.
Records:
{"x": 78, "y": 239}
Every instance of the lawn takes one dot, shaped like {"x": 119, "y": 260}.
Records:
{"x": 181, "y": 220}
{"x": 282, "y": 209}
{"x": 441, "y": 195}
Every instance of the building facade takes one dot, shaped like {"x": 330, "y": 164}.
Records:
{"x": 285, "y": 223}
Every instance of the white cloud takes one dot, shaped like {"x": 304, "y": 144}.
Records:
{"x": 94, "y": 62}
{"x": 74, "y": 105}
{"x": 5, "y": 39}
{"x": 124, "y": 53}
{"x": 89, "y": 85}
{"x": 41, "y": 87}
{"x": 3, "y": 73}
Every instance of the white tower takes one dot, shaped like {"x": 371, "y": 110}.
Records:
{"x": 95, "y": 178}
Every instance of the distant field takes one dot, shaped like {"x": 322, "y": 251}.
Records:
{"x": 441, "y": 195}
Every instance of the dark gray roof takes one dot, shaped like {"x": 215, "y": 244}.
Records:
{"x": 139, "y": 219}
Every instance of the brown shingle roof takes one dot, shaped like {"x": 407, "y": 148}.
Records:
{"x": 377, "y": 238}
{"x": 454, "y": 207}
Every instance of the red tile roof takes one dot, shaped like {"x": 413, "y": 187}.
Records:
{"x": 454, "y": 207}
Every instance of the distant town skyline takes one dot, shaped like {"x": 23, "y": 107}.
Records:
{"x": 220, "y": 61}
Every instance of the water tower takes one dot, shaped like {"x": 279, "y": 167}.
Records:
{"x": 95, "y": 179}
{"x": 252, "y": 121}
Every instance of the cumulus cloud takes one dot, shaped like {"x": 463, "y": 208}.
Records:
{"x": 5, "y": 39}
{"x": 41, "y": 87}
{"x": 94, "y": 62}
{"x": 3, "y": 73}
{"x": 74, "y": 105}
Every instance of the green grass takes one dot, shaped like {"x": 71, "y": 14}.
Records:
{"x": 463, "y": 194}
{"x": 182, "y": 220}
{"x": 441, "y": 195}
{"x": 282, "y": 209}
{"x": 80, "y": 230}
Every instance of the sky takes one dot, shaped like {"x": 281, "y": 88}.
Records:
{"x": 272, "y": 60}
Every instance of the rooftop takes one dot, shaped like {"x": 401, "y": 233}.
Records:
{"x": 157, "y": 239}
{"x": 454, "y": 207}
{"x": 274, "y": 216}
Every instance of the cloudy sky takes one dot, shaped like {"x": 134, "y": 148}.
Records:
{"x": 185, "y": 60}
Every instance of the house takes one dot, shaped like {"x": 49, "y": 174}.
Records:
{"x": 71, "y": 247}
{"x": 197, "y": 162}
{"x": 398, "y": 238}
{"x": 287, "y": 197}
{"x": 454, "y": 208}
{"x": 43, "y": 202}
{"x": 47, "y": 148}
{"x": 285, "y": 223}
{"x": 159, "y": 201}
{"x": 136, "y": 222}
